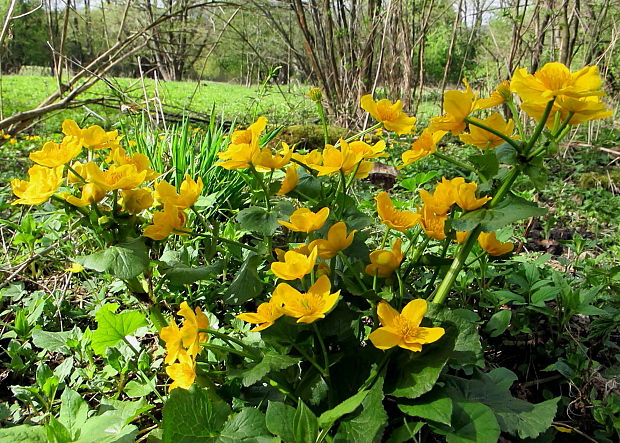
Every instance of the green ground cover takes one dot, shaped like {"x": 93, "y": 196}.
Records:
{"x": 282, "y": 104}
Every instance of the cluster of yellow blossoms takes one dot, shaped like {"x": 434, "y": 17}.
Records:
{"x": 576, "y": 95}
{"x": 183, "y": 345}
{"x": 124, "y": 176}
{"x": 245, "y": 151}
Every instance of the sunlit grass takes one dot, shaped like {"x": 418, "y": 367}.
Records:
{"x": 283, "y": 104}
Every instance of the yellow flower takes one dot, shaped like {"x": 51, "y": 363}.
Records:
{"x": 555, "y": 80}
{"x": 189, "y": 191}
{"x": 91, "y": 193}
{"x": 116, "y": 177}
{"x": 81, "y": 169}
{"x": 135, "y": 201}
{"x": 313, "y": 157}
{"x": 465, "y": 196}
{"x": 264, "y": 161}
{"x": 140, "y": 161}
{"x": 247, "y": 136}
{"x": 322, "y": 269}
{"x": 425, "y": 145}
{"x": 190, "y": 335}
{"x": 295, "y": 265}
{"x": 391, "y": 115}
{"x": 266, "y": 314}
{"x": 433, "y": 224}
{"x": 337, "y": 240}
{"x": 237, "y": 156}
{"x": 583, "y": 109}
{"x": 367, "y": 151}
{"x": 13, "y": 141}
{"x": 75, "y": 268}
{"x": 315, "y": 94}
{"x": 392, "y": 217}
{"x": 55, "y": 154}
{"x": 461, "y": 236}
{"x": 182, "y": 373}
{"x": 304, "y": 220}
{"x": 164, "y": 223}
{"x": 310, "y": 306}
{"x": 303, "y": 249}
{"x": 42, "y": 185}
{"x": 403, "y": 329}
{"x": 485, "y": 139}
{"x": 384, "y": 262}
{"x": 93, "y": 137}
{"x": 492, "y": 246}
{"x": 290, "y": 180}
{"x": 171, "y": 335}
{"x": 499, "y": 96}
{"x": 443, "y": 197}
{"x": 457, "y": 106}
{"x": 335, "y": 160}
{"x": 244, "y": 144}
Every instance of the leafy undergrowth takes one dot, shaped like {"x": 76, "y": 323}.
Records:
{"x": 101, "y": 342}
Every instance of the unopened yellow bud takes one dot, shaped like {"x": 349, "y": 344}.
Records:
{"x": 315, "y": 94}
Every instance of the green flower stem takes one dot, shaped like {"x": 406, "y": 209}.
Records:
{"x": 354, "y": 173}
{"x": 115, "y": 202}
{"x": 504, "y": 188}
{"x": 437, "y": 269}
{"x": 323, "y": 347}
{"x": 539, "y": 128}
{"x": 459, "y": 260}
{"x": 284, "y": 388}
{"x": 260, "y": 181}
{"x": 68, "y": 205}
{"x": 504, "y": 137}
{"x": 538, "y": 151}
{"x": 74, "y": 172}
{"x": 417, "y": 253}
{"x": 515, "y": 116}
{"x": 401, "y": 290}
{"x": 475, "y": 259}
{"x": 383, "y": 242}
{"x": 347, "y": 263}
{"x": 310, "y": 360}
{"x": 379, "y": 369}
{"x": 323, "y": 434}
{"x": 412, "y": 239}
{"x": 228, "y": 337}
{"x": 201, "y": 219}
{"x": 134, "y": 350}
{"x": 321, "y": 111}
{"x": 456, "y": 266}
{"x": 364, "y": 132}
{"x": 343, "y": 190}
{"x": 306, "y": 167}
{"x": 561, "y": 129}
{"x": 222, "y": 239}
{"x": 332, "y": 270}
{"x": 326, "y": 363}
{"x": 458, "y": 163}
